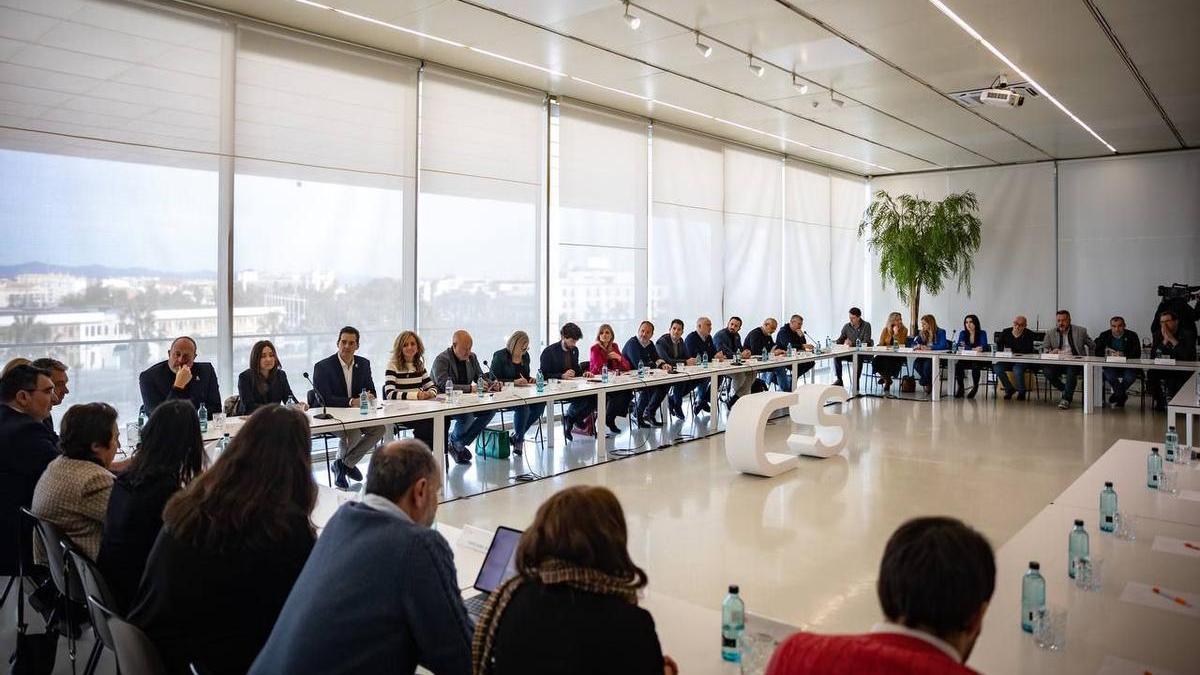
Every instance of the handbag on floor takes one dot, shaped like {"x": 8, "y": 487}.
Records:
{"x": 493, "y": 444}
{"x": 908, "y": 385}
{"x": 587, "y": 426}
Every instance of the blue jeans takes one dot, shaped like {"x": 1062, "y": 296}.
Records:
{"x": 1120, "y": 379}
{"x": 702, "y": 390}
{"x": 1063, "y": 378}
{"x": 468, "y": 426}
{"x": 782, "y": 377}
{"x": 525, "y": 417}
{"x": 1018, "y": 371}
{"x": 924, "y": 368}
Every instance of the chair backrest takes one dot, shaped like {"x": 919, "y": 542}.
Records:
{"x": 135, "y": 651}
{"x": 94, "y": 586}
{"x": 312, "y": 398}
{"x": 232, "y": 406}
{"x": 55, "y": 543}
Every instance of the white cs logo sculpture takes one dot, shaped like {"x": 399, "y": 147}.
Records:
{"x": 745, "y": 447}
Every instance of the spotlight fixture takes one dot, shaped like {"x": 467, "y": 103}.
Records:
{"x": 838, "y": 102}
{"x": 802, "y": 86}
{"x": 633, "y": 20}
{"x": 705, "y": 50}
{"x": 756, "y": 68}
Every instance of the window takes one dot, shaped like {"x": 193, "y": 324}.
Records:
{"x": 753, "y": 235}
{"x": 482, "y": 157}
{"x": 806, "y": 243}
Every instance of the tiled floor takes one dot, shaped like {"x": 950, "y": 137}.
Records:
{"x": 804, "y": 546}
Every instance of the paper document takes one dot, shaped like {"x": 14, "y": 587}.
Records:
{"x": 1114, "y": 665}
{"x": 1183, "y": 547}
{"x": 1168, "y": 599}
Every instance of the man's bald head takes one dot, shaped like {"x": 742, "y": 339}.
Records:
{"x": 461, "y": 343}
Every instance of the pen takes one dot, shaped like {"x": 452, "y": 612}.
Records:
{"x": 1177, "y": 600}
{"x": 1188, "y": 544}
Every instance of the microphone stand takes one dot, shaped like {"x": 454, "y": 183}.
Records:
{"x": 324, "y": 414}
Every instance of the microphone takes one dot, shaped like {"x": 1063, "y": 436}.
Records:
{"x": 323, "y": 415}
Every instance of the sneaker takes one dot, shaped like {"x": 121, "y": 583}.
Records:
{"x": 339, "y": 475}
{"x": 352, "y": 472}
{"x": 460, "y": 453}
{"x": 1064, "y": 404}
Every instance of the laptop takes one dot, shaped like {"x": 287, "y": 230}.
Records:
{"x": 498, "y": 566}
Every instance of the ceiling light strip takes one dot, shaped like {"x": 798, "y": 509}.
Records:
{"x": 1008, "y": 62}
{"x": 581, "y": 80}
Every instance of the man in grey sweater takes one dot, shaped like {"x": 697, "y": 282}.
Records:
{"x": 854, "y": 332}
{"x": 459, "y": 367}
{"x": 1067, "y": 340}
{"x": 379, "y": 593}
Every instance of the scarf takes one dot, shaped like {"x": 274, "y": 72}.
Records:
{"x": 552, "y": 572}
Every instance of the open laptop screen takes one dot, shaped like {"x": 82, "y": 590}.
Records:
{"x": 500, "y": 563}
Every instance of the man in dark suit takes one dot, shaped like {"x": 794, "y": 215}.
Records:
{"x": 639, "y": 350}
{"x": 181, "y": 376}
{"x": 58, "y": 375}
{"x": 729, "y": 342}
{"x": 672, "y": 348}
{"x": 761, "y": 339}
{"x": 340, "y": 380}
{"x": 560, "y": 360}
{"x": 26, "y": 396}
{"x": 700, "y": 342}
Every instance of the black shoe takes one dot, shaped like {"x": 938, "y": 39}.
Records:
{"x": 706, "y": 407}
{"x": 567, "y": 423}
{"x": 516, "y": 443}
{"x": 339, "y": 475}
{"x": 838, "y": 383}
{"x": 696, "y": 408}
{"x": 460, "y": 453}
{"x": 1007, "y": 394}
{"x": 971, "y": 394}
{"x": 677, "y": 410}
{"x": 614, "y": 429}
{"x": 649, "y": 421}
{"x": 352, "y": 472}
{"x": 1021, "y": 396}
{"x": 960, "y": 393}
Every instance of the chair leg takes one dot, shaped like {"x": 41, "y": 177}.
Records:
{"x": 328, "y": 470}
{"x": 93, "y": 658}
{"x": 7, "y": 588}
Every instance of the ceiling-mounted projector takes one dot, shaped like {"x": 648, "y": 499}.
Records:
{"x": 1001, "y": 97}
{"x": 999, "y": 93}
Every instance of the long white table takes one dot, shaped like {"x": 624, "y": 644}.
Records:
{"x": 1185, "y": 403}
{"x": 1125, "y": 465}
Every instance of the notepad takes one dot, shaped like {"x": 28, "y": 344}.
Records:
{"x": 1115, "y": 359}
{"x": 1188, "y": 604}
{"x": 1176, "y": 546}
{"x": 1051, "y": 356}
{"x": 1163, "y": 361}
{"x": 1114, "y": 665}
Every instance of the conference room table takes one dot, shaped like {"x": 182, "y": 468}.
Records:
{"x": 1124, "y": 627}
{"x": 1185, "y": 402}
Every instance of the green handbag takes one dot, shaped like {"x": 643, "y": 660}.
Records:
{"x": 493, "y": 444}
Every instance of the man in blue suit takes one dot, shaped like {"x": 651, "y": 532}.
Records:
{"x": 340, "y": 380}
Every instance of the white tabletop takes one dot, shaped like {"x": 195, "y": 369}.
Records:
{"x": 1100, "y": 625}
{"x": 1125, "y": 465}
{"x": 1185, "y": 399}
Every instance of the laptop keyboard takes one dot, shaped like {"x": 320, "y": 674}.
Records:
{"x": 474, "y": 604}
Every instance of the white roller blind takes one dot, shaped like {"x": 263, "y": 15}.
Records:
{"x": 806, "y": 244}
{"x": 753, "y": 235}
{"x": 600, "y": 275}
{"x": 323, "y": 106}
{"x": 480, "y": 205}
{"x": 111, "y": 71}
{"x": 848, "y": 259}
{"x": 686, "y": 274}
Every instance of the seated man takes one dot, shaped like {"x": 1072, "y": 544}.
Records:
{"x": 673, "y": 350}
{"x": 26, "y": 396}
{"x": 58, "y": 375}
{"x": 458, "y": 368}
{"x": 761, "y": 339}
{"x": 1068, "y": 340}
{"x": 560, "y": 361}
{"x": 700, "y": 342}
{"x": 340, "y": 380}
{"x": 181, "y": 376}
{"x": 1018, "y": 340}
{"x": 792, "y": 335}
{"x": 639, "y": 350}
{"x": 729, "y": 343}
{"x": 855, "y": 331}
{"x": 1116, "y": 341}
{"x": 1172, "y": 342}
{"x": 935, "y": 582}
{"x": 389, "y": 617}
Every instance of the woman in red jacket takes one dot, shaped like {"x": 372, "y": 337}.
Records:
{"x": 605, "y": 352}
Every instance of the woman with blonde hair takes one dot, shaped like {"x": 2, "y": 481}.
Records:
{"x": 888, "y": 367}
{"x": 574, "y": 580}
{"x": 511, "y": 364}
{"x": 605, "y": 352}
{"x": 406, "y": 379}
{"x": 928, "y": 338}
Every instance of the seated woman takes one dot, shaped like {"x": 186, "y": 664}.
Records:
{"x": 406, "y": 379}
{"x": 264, "y": 381}
{"x": 888, "y": 367}
{"x": 929, "y": 337}
{"x": 74, "y": 489}
{"x": 972, "y": 338}
{"x": 574, "y": 580}
{"x": 605, "y": 352}
{"x": 232, "y": 544}
{"x": 511, "y": 364}
{"x": 170, "y": 455}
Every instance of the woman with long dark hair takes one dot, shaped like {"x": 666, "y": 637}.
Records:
{"x": 264, "y": 381}
{"x": 576, "y": 581}
{"x": 232, "y": 544}
{"x": 972, "y": 338}
{"x": 171, "y": 454}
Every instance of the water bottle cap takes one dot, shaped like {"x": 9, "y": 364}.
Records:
{"x": 1034, "y": 565}
{"x": 1078, "y": 522}
{"x": 1154, "y": 451}
{"x": 1170, "y": 428}
{"x": 733, "y": 589}
{"x": 1108, "y": 483}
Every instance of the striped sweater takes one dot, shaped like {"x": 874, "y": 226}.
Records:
{"x": 405, "y": 383}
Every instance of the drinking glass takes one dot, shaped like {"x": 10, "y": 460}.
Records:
{"x": 1168, "y": 481}
{"x": 1126, "y": 526}
{"x": 218, "y": 423}
{"x": 757, "y": 649}
{"x": 133, "y": 435}
{"x": 1050, "y": 628}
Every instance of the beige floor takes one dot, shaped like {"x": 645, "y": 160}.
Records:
{"x": 805, "y": 546}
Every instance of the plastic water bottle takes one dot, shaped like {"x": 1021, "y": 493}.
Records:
{"x": 449, "y": 390}
{"x": 828, "y": 344}
{"x": 1077, "y": 546}
{"x": 480, "y": 389}
{"x": 291, "y": 402}
{"x": 223, "y": 444}
{"x": 766, "y": 355}
{"x": 202, "y": 415}
{"x": 364, "y": 405}
{"x": 1108, "y": 508}
{"x": 1172, "y": 445}
{"x": 142, "y": 419}
{"x": 858, "y": 344}
{"x": 1033, "y": 595}
{"x": 541, "y": 382}
{"x": 704, "y": 359}
{"x": 733, "y": 623}
{"x": 604, "y": 374}
{"x": 1153, "y": 468}
{"x": 641, "y": 372}
{"x": 791, "y": 351}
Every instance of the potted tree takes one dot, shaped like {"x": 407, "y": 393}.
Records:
{"x": 923, "y": 244}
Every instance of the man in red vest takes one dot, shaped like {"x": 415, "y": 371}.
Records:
{"x": 935, "y": 581}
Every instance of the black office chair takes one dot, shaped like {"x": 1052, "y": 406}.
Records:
{"x": 135, "y": 651}
{"x": 94, "y": 586}
{"x": 63, "y": 575}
